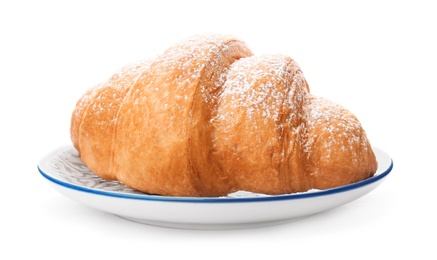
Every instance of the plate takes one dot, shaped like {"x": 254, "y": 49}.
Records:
{"x": 66, "y": 172}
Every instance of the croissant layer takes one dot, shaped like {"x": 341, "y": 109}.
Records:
{"x": 207, "y": 118}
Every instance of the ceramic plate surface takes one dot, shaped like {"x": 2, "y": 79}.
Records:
{"x": 66, "y": 172}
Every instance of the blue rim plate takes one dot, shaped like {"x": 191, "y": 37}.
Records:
{"x": 66, "y": 172}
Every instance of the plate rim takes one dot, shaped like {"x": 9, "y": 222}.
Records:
{"x": 267, "y": 198}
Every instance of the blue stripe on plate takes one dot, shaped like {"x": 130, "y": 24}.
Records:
{"x": 220, "y": 199}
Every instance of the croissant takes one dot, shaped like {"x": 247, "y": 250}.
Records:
{"x": 208, "y": 118}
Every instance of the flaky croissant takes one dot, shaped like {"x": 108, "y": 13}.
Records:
{"x": 207, "y": 118}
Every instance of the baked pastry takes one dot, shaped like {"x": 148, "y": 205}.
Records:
{"x": 207, "y": 118}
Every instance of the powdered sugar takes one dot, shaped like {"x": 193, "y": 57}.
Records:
{"x": 274, "y": 98}
{"x": 200, "y": 60}
{"x": 339, "y": 127}
{"x": 268, "y": 88}
{"x": 264, "y": 97}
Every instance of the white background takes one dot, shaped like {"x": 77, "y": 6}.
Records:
{"x": 376, "y": 58}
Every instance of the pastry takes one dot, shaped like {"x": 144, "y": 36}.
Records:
{"x": 208, "y": 118}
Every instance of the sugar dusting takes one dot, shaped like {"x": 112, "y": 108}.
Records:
{"x": 121, "y": 80}
{"x": 337, "y": 124}
{"x": 183, "y": 63}
{"x": 189, "y": 60}
{"x": 290, "y": 105}
{"x": 239, "y": 87}
{"x": 267, "y": 100}
{"x": 267, "y": 72}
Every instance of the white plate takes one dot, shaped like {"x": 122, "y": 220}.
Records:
{"x": 70, "y": 176}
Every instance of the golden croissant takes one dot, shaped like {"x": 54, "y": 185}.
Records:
{"x": 208, "y": 118}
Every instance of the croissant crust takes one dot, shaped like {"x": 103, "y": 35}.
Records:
{"x": 208, "y": 118}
